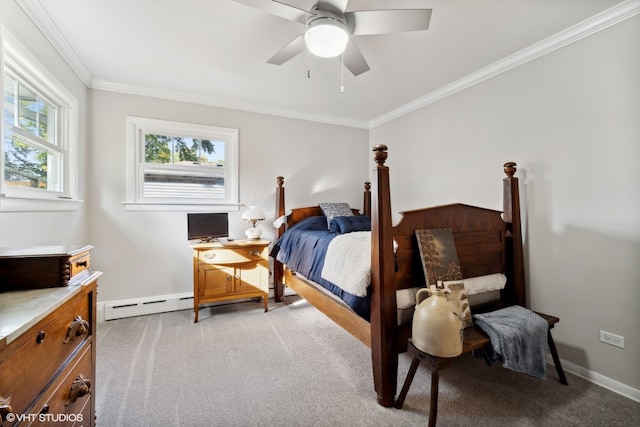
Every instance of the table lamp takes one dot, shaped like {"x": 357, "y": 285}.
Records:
{"x": 253, "y": 215}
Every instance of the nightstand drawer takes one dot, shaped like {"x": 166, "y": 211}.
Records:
{"x": 232, "y": 256}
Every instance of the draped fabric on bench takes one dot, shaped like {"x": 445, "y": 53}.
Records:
{"x": 518, "y": 339}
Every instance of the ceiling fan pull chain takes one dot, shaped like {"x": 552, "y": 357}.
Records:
{"x": 308, "y": 64}
{"x": 342, "y": 73}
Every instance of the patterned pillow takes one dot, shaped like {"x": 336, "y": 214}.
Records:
{"x": 332, "y": 210}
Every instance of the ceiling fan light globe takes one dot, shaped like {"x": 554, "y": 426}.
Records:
{"x": 326, "y": 37}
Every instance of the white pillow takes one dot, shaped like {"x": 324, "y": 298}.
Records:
{"x": 476, "y": 285}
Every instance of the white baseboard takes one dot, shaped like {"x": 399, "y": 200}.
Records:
{"x": 596, "y": 378}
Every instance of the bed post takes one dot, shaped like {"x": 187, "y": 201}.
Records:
{"x": 278, "y": 285}
{"x": 366, "y": 204}
{"x": 383, "y": 295}
{"x": 511, "y": 209}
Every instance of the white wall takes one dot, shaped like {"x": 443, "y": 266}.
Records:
{"x": 146, "y": 253}
{"x": 52, "y": 228}
{"x": 571, "y": 120}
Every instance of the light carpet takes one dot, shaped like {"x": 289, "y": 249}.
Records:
{"x": 292, "y": 366}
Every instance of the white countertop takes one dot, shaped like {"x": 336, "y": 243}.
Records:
{"x": 20, "y": 310}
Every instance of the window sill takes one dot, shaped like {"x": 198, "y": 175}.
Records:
{"x": 23, "y": 204}
{"x": 180, "y": 207}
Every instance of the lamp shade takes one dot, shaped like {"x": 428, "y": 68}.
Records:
{"x": 326, "y": 37}
{"x": 253, "y": 214}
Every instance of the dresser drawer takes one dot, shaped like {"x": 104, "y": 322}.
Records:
{"x": 45, "y": 349}
{"x": 66, "y": 400}
{"x": 232, "y": 255}
{"x": 80, "y": 264}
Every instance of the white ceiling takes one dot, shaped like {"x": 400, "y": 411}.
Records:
{"x": 215, "y": 52}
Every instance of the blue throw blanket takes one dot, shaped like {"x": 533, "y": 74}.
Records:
{"x": 518, "y": 339}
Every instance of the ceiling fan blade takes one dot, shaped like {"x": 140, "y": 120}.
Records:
{"x": 353, "y": 59}
{"x": 302, "y": 5}
{"x": 280, "y": 9}
{"x": 335, "y": 5}
{"x": 308, "y": 5}
{"x": 296, "y": 46}
{"x": 365, "y": 22}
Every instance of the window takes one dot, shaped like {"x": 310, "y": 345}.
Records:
{"x": 38, "y": 134}
{"x": 31, "y": 153}
{"x": 174, "y": 164}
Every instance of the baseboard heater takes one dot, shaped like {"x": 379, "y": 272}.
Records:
{"x": 142, "y": 306}
{"x": 112, "y": 310}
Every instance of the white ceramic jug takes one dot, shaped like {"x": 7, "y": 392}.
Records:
{"x": 437, "y": 328}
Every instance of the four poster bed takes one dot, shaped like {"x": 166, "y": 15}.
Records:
{"x": 487, "y": 242}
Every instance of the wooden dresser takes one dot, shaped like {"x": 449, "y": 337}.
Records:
{"x": 230, "y": 270}
{"x": 48, "y": 354}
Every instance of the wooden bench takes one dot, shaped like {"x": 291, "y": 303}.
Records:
{"x": 474, "y": 338}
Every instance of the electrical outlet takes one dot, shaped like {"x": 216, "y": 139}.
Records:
{"x": 613, "y": 339}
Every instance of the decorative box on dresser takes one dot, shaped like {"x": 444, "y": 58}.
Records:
{"x": 228, "y": 270}
{"x": 47, "y": 346}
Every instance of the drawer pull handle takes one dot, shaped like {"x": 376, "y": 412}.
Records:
{"x": 79, "y": 388}
{"x": 210, "y": 255}
{"x": 82, "y": 263}
{"x": 5, "y": 408}
{"x": 40, "y": 337}
{"x": 45, "y": 409}
{"x": 229, "y": 278}
{"x": 77, "y": 327}
{"x": 254, "y": 253}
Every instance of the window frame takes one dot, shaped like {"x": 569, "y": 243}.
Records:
{"x": 16, "y": 58}
{"x": 138, "y": 127}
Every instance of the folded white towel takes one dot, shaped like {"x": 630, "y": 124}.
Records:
{"x": 476, "y": 285}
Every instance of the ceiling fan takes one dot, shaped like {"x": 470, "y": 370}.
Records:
{"x": 329, "y": 25}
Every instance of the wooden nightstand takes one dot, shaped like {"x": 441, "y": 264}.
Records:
{"x": 230, "y": 270}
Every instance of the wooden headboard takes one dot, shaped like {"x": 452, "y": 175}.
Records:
{"x": 478, "y": 233}
{"x": 487, "y": 241}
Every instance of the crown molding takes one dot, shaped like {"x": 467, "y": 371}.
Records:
{"x": 111, "y": 86}
{"x": 45, "y": 24}
{"x": 586, "y": 28}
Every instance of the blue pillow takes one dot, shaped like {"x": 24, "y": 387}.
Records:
{"x": 312, "y": 223}
{"x": 348, "y": 224}
{"x": 332, "y": 210}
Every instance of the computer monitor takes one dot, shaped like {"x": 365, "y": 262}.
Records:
{"x": 207, "y": 226}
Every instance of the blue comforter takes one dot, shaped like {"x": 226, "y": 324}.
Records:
{"x": 304, "y": 251}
